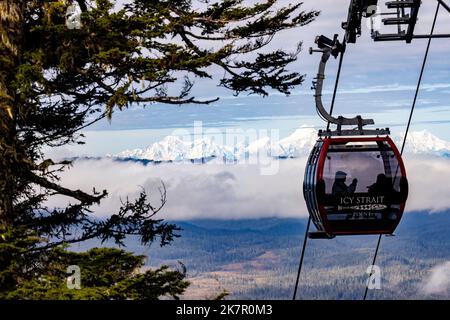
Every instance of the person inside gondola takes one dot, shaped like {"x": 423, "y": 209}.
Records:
{"x": 383, "y": 186}
{"x": 379, "y": 187}
{"x": 339, "y": 186}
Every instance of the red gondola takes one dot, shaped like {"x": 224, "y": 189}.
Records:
{"x": 355, "y": 180}
{"x": 354, "y": 186}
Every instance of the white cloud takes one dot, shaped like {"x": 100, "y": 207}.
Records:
{"x": 428, "y": 183}
{"x": 195, "y": 191}
{"x": 429, "y": 87}
{"x": 236, "y": 191}
{"x": 438, "y": 282}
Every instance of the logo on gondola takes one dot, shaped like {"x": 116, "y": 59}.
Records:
{"x": 362, "y": 203}
{"x": 361, "y": 200}
{"x": 365, "y": 207}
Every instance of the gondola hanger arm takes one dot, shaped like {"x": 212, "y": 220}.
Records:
{"x": 330, "y": 48}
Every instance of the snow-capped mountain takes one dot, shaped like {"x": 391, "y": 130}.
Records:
{"x": 171, "y": 148}
{"x": 175, "y": 149}
{"x": 261, "y": 146}
{"x": 423, "y": 142}
{"x": 297, "y": 144}
{"x": 207, "y": 148}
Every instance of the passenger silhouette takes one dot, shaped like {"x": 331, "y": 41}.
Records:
{"x": 379, "y": 186}
{"x": 382, "y": 186}
{"x": 339, "y": 186}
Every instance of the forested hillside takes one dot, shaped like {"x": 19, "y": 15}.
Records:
{"x": 258, "y": 259}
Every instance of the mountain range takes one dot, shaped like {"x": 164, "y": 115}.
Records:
{"x": 179, "y": 149}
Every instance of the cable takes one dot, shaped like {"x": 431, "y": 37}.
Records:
{"x": 408, "y": 125}
{"x": 341, "y": 59}
{"x": 420, "y": 77}
{"x": 373, "y": 263}
{"x": 305, "y": 240}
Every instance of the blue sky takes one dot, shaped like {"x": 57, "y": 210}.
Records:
{"x": 377, "y": 79}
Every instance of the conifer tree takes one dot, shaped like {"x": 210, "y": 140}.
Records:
{"x": 56, "y": 79}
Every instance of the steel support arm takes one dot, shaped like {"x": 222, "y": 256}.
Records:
{"x": 340, "y": 121}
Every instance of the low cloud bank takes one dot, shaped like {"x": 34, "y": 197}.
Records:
{"x": 428, "y": 183}
{"x": 234, "y": 191}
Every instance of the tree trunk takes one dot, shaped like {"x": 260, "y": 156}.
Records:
{"x": 11, "y": 30}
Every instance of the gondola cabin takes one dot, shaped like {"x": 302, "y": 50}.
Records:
{"x": 355, "y": 186}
